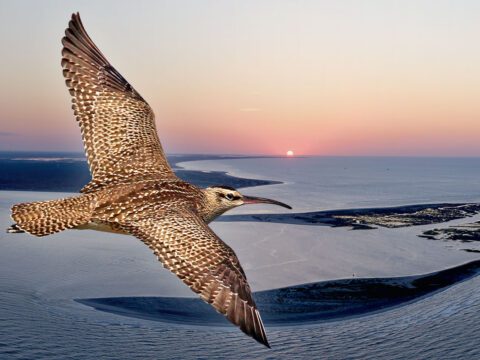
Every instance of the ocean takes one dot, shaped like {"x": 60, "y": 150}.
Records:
{"x": 327, "y": 292}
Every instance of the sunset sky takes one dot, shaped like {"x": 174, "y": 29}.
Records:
{"x": 258, "y": 77}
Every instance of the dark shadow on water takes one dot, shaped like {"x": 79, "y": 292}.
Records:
{"x": 296, "y": 305}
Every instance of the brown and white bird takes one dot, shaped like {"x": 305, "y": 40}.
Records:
{"x": 134, "y": 190}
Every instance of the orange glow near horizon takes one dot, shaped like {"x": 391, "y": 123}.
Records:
{"x": 331, "y": 78}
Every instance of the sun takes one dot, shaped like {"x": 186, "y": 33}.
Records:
{"x": 290, "y": 153}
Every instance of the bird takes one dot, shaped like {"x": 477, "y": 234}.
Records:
{"x": 133, "y": 189}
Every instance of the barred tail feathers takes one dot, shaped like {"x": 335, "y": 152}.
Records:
{"x": 42, "y": 218}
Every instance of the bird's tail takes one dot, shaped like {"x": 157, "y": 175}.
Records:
{"x": 42, "y": 218}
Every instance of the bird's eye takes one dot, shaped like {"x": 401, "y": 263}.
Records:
{"x": 229, "y": 196}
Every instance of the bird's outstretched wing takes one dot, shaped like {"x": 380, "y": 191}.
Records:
{"x": 118, "y": 126}
{"x": 192, "y": 251}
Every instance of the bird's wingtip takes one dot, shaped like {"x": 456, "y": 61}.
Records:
{"x": 76, "y": 17}
{"x": 262, "y": 339}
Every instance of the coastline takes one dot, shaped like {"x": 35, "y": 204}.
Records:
{"x": 70, "y": 174}
{"x": 336, "y": 242}
{"x": 298, "y": 305}
{"x": 368, "y": 218}
{"x": 369, "y": 296}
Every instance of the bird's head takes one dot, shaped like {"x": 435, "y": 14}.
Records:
{"x": 223, "y": 198}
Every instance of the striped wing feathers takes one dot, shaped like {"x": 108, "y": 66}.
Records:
{"x": 117, "y": 124}
{"x": 192, "y": 251}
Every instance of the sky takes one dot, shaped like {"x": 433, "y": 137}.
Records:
{"x": 379, "y": 78}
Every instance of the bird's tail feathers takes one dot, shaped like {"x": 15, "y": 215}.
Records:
{"x": 42, "y": 218}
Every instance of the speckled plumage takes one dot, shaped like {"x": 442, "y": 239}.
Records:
{"x": 134, "y": 190}
{"x": 118, "y": 126}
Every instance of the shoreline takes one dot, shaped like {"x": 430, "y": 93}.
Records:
{"x": 367, "y": 218}
{"x": 334, "y": 241}
{"x": 70, "y": 174}
{"x": 298, "y": 305}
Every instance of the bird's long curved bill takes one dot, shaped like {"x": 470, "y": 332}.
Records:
{"x": 259, "y": 200}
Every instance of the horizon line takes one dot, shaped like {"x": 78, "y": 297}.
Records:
{"x": 256, "y": 155}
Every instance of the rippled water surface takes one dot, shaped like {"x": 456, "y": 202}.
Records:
{"x": 443, "y": 326}
{"x": 40, "y": 278}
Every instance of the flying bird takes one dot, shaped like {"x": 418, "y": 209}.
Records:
{"x": 134, "y": 191}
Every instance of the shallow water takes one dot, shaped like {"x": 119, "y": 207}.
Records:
{"x": 443, "y": 326}
{"x": 327, "y": 183}
{"x": 40, "y": 278}
{"x": 298, "y": 305}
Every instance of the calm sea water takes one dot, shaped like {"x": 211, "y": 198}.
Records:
{"x": 323, "y": 183}
{"x": 40, "y": 278}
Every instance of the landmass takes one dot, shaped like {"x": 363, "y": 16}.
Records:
{"x": 68, "y": 172}
{"x": 390, "y": 217}
{"x": 299, "y": 304}
{"x": 465, "y": 233}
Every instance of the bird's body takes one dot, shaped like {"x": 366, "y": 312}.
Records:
{"x": 134, "y": 190}
{"x": 132, "y": 202}
{"x": 117, "y": 204}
